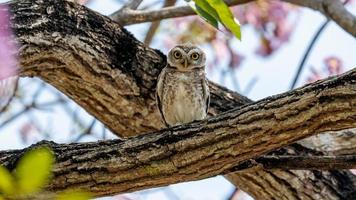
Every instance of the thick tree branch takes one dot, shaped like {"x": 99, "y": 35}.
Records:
{"x": 301, "y": 162}
{"x": 87, "y": 55}
{"x": 296, "y": 184}
{"x": 207, "y": 148}
{"x": 340, "y": 143}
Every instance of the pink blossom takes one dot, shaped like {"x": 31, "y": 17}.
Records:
{"x": 8, "y": 59}
{"x": 333, "y": 65}
{"x": 271, "y": 19}
{"x": 8, "y": 49}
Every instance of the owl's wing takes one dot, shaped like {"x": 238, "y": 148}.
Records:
{"x": 159, "y": 92}
{"x": 206, "y": 93}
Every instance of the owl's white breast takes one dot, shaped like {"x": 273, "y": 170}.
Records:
{"x": 186, "y": 100}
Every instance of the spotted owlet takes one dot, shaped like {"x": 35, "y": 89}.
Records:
{"x": 182, "y": 90}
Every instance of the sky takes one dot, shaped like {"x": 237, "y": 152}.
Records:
{"x": 274, "y": 76}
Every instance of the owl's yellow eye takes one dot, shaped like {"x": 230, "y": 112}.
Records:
{"x": 195, "y": 56}
{"x": 177, "y": 54}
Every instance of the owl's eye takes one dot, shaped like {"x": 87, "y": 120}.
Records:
{"x": 177, "y": 54}
{"x": 195, "y": 56}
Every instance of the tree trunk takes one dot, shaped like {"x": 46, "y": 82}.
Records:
{"x": 111, "y": 75}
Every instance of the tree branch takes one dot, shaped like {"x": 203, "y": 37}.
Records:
{"x": 301, "y": 162}
{"x": 307, "y": 53}
{"x": 135, "y": 17}
{"x": 296, "y": 184}
{"x": 332, "y": 9}
{"x": 340, "y": 143}
{"x": 132, "y": 4}
{"x": 154, "y": 26}
{"x": 206, "y": 148}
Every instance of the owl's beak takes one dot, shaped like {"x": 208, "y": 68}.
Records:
{"x": 185, "y": 63}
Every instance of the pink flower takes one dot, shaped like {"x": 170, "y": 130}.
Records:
{"x": 8, "y": 59}
{"x": 272, "y": 20}
{"x": 333, "y": 65}
{"x": 8, "y": 49}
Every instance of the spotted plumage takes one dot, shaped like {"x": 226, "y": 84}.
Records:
{"x": 182, "y": 89}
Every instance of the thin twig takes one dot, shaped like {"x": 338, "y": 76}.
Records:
{"x": 128, "y": 17}
{"x": 307, "y": 53}
{"x": 7, "y": 104}
{"x": 154, "y": 26}
{"x": 132, "y": 4}
{"x": 309, "y": 49}
{"x": 250, "y": 86}
{"x": 27, "y": 108}
{"x": 87, "y": 131}
{"x": 103, "y": 135}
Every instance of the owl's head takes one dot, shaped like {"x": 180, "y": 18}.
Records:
{"x": 186, "y": 57}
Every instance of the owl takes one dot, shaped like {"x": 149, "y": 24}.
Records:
{"x": 182, "y": 91}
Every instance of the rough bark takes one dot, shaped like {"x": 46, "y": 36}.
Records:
{"x": 110, "y": 74}
{"x": 294, "y": 184}
{"x": 340, "y": 143}
{"x": 290, "y": 187}
{"x": 206, "y": 148}
{"x": 86, "y": 55}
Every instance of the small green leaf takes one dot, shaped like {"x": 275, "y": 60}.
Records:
{"x": 6, "y": 182}
{"x": 34, "y": 170}
{"x": 74, "y": 195}
{"x": 205, "y": 15}
{"x": 204, "y": 5}
{"x": 226, "y": 17}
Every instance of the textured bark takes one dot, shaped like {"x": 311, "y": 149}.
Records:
{"x": 290, "y": 187}
{"x": 298, "y": 162}
{"x": 86, "y": 55}
{"x": 295, "y": 184}
{"x": 110, "y": 74}
{"x": 206, "y": 148}
{"x": 340, "y": 143}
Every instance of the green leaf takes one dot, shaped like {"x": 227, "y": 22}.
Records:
{"x": 74, "y": 195}
{"x": 205, "y": 15}
{"x": 7, "y": 186}
{"x": 226, "y": 17}
{"x": 204, "y": 5}
{"x": 34, "y": 170}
